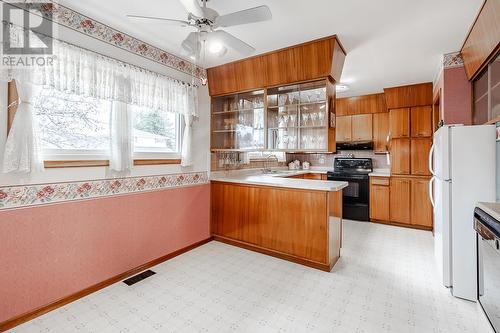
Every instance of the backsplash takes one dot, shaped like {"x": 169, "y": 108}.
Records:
{"x": 326, "y": 160}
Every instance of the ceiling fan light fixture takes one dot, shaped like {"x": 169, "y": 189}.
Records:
{"x": 215, "y": 47}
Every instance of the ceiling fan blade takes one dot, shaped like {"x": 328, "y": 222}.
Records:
{"x": 192, "y": 44}
{"x": 229, "y": 40}
{"x": 257, "y": 14}
{"x": 192, "y": 7}
{"x": 166, "y": 20}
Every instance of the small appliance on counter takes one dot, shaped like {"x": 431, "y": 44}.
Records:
{"x": 487, "y": 226}
{"x": 356, "y": 196}
{"x": 306, "y": 165}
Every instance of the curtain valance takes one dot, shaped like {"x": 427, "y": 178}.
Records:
{"x": 79, "y": 71}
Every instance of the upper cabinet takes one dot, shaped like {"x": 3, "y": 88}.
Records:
{"x": 362, "y": 127}
{"x": 486, "y": 94}
{"x": 295, "y": 117}
{"x": 238, "y": 121}
{"x": 410, "y": 128}
{"x": 380, "y": 132}
{"x": 374, "y": 103}
{"x": 408, "y": 96}
{"x": 482, "y": 42}
{"x": 399, "y": 123}
{"x": 298, "y": 117}
{"x": 421, "y": 121}
{"x": 310, "y": 61}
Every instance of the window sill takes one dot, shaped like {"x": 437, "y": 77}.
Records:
{"x": 105, "y": 163}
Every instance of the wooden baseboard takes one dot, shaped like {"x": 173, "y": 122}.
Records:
{"x": 396, "y": 224}
{"x": 277, "y": 254}
{"x": 13, "y": 322}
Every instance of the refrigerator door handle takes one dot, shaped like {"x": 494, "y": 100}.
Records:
{"x": 431, "y": 157}
{"x": 431, "y": 192}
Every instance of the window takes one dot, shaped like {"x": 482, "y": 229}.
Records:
{"x": 72, "y": 126}
{"x": 156, "y": 134}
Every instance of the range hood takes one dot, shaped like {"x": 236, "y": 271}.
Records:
{"x": 361, "y": 145}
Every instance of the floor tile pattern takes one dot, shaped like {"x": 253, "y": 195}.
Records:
{"x": 385, "y": 281}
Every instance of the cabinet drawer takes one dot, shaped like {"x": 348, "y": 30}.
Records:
{"x": 385, "y": 181}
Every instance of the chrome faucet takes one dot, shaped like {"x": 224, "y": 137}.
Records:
{"x": 267, "y": 169}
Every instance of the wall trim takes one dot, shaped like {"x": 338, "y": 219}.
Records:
{"x": 41, "y": 194}
{"x": 18, "y": 320}
{"x": 451, "y": 60}
{"x": 74, "y": 20}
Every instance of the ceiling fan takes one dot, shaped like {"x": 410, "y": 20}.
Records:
{"x": 208, "y": 22}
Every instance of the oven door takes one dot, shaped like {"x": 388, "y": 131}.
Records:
{"x": 355, "y": 196}
{"x": 357, "y": 190}
{"x": 489, "y": 276}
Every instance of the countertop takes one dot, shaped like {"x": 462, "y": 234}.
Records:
{"x": 380, "y": 173}
{"x": 491, "y": 208}
{"x": 256, "y": 177}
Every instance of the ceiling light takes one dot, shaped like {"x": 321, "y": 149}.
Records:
{"x": 215, "y": 47}
{"x": 341, "y": 87}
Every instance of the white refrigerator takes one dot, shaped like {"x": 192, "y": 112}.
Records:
{"x": 462, "y": 162}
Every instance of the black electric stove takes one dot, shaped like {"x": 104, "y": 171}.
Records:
{"x": 356, "y": 196}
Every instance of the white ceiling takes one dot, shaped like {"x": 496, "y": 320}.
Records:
{"x": 388, "y": 42}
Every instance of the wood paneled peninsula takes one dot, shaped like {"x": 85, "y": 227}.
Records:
{"x": 296, "y": 219}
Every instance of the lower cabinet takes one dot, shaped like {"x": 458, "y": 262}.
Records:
{"x": 421, "y": 207}
{"x": 401, "y": 200}
{"x": 379, "y": 198}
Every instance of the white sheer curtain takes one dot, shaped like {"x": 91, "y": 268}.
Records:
{"x": 121, "y": 139}
{"x": 23, "y": 153}
{"x": 82, "y": 72}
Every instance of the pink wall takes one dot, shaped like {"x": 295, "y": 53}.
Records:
{"x": 49, "y": 252}
{"x": 456, "y": 96}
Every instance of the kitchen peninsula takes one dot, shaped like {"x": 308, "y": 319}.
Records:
{"x": 299, "y": 220}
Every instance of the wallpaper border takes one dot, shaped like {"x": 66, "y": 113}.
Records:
{"x": 40, "y": 194}
{"x": 74, "y": 20}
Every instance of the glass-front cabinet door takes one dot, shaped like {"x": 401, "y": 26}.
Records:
{"x": 297, "y": 117}
{"x": 238, "y": 121}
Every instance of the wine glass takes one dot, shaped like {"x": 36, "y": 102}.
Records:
{"x": 305, "y": 119}
{"x": 321, "y": 117}
{"x": 314, "y": 118}
{"x": 293, "y": 118}
{"x": 282, "y": 99}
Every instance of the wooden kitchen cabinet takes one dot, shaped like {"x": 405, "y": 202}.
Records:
{"x": 380, "y": 132}
{"x": 399, "y": 123}
{"x": 380, "y": 198}
{"x": 315, "y": 176}
{"x": 421, "y": 207}
{"x": 313, "y": 60}
{"x": 420, "y": 156}
{"x": 400, "y": 193}
{"x": 421, "y": 121}
{"x": 400, "y": 156}
{"x": 362, "y": 127}
{"x": 343, "y": 129}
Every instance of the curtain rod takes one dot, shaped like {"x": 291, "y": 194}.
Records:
{"x": 120, "y": 62}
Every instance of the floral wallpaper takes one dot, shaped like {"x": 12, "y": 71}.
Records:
{"x": 32, "y": 195}
{"x": 88, "y": 26}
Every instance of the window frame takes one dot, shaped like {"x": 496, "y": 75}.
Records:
{"x": 94, "y": 158}
{"x": 161, "y": 155}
